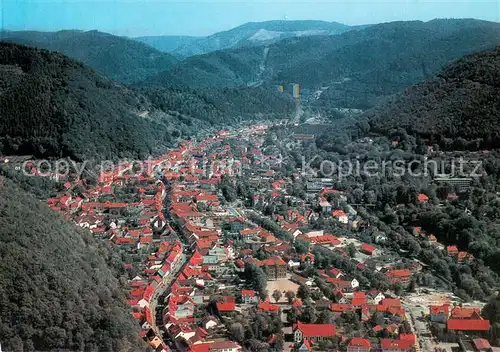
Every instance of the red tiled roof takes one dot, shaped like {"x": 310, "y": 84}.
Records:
{"x": 468, "y": 324}
{"x": 399, "y": 273}
{"x": 341, "y": 307}
{"x": 196, "y": 259}
{"x": 273, "y": 261}
{"x": 443, "y": 309}
{"x": 334, "y": 241}
{"x": 268, "y": 307}
{"x": 248, "y": 293}
{"x": 396, "y": 344}
{"x": 482, "y": 344}
{"x": 359, "y": 342}
{"x": 367, "y": 248}
{"x": 422, "y": 197}
{"x": 408, "y": 337}
{"x": 206, "y": 197}
{"x": 226, "y": 306}
{"x": 390, "y": 302}
{"x": 465, "y": 312}
{"x": 338, "y": 213}
{"x": 359, "y": 298}
{"x": 250, "y": 231}
{"x": 146, "y": 240}
{"x": 316, "y": 330}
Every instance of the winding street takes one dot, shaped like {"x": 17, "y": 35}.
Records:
{"x": 163, "y": 290}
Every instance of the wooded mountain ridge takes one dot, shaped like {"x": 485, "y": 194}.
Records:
{"x": 458, "y": 109}
{"x": 53, "y": 106}
{"x": 248, "y": 34}
{"x": 59, "y": 287}
{"x": 358, "y": 67}
{"x": 119, "y": 58}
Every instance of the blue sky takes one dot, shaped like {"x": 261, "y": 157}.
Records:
{"x": 203, "y": 17}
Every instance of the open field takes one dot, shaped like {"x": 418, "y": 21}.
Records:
{"x": 283, "y": 285}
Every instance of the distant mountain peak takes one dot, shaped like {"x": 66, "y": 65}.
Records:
{"x": 248, "y": 34}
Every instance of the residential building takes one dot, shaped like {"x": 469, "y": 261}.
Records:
{"x": 452, "y": 250}
{"x": 341, "y": 216}
{"x": 276, "y": 268}
{"x": 249, "y": 296}
{"x": 402, "y": 276}
{"x": 390, "y": 345}
{"x": 375, "y": 297}
{"x": 224, "y": 346}
{"x": 314, "y": 332}
{"x": 439, "y": 314}
{"x": 357, "y": 344}
{"x": 482, "y": 345}
{"x": 468, "y": 325}
{"x": 422, "y": 198}
{"x": 326, "y": 207}
{"x": 209, "y": 322}
{"x": 367, "y": 249}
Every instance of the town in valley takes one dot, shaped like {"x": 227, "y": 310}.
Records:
{"x": 230, "y": 246}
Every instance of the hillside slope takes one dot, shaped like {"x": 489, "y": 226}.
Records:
{"x": 248, "y": 34}
{"x": 168, "y": 43}
{"x": 460, "y": 108}
{"x": 222, "y": 106}
{"x": 358, "y": 66}
{"x": 56, "y": 290}
{"x": 119, "y": 58}
{"x": 53, "y": 106}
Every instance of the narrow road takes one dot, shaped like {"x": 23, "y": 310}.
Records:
{"x": 163, "y": 289}
{"x": 411, "y": 320}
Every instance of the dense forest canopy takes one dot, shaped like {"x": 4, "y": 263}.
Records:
{"x": 58, "y": 287}
{"x": 358, "y": 67}
{"x": 119, "y": 58}
{"x": 458, "y": 109}
{"x": 53, "y": 106}
{"x": 222, "y": 106}
{"x": 57, "y": 107}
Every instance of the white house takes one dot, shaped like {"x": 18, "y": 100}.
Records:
{"x": 326, "y": 207}
{"x": 209, "y": 322}
{"x": 296, "y": 233}
{"x": 313, "y": 234}
{"x": 376, "y": 299}
{"x": 341, "y": 216}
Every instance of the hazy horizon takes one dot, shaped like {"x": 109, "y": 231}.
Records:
{"x": 205, "y": 17}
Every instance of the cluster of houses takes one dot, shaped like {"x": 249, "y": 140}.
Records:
{"x": 459, "y": 318}
{"x": 451, "y": 251}
{"x": 128, "y": 209}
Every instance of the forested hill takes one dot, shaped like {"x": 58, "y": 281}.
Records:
{"x": 119, "y": 58}
{"x": 57, "y": 291}
{"x": 54, "y": 106}
{"x": 458, "y": 109}
{"x": 248, "y": 34}
{"x": 373, "y": 62}
{"x": 222, "y": 106}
